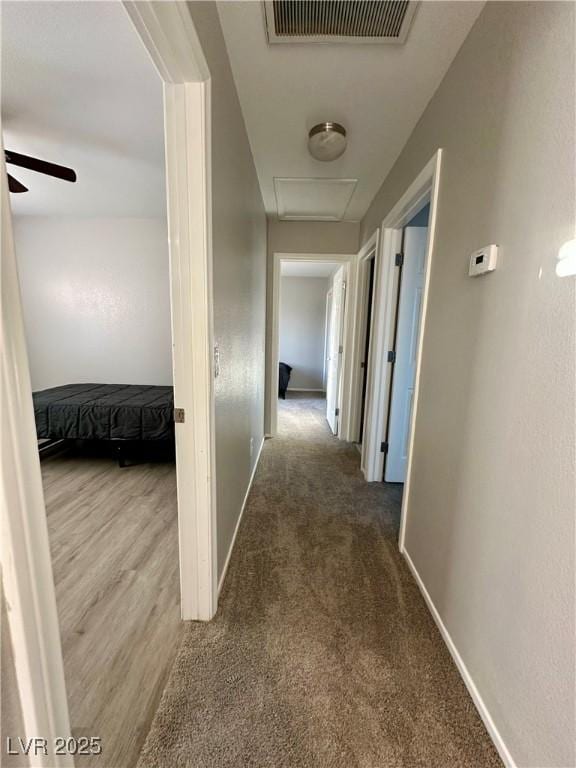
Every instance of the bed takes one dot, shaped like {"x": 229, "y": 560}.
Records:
{"x": 127, "y": 413}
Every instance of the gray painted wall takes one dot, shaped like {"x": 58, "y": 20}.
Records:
{"x": 302, "y": 237}
{"x": 313, "y": 236}
{"x": 239, "y": 247}
{"x": 491, "y": 514}
{"x": 96, "y": 299}
{"x": 302, "y": 329}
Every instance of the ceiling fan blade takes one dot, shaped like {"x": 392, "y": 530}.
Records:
{"x": 41, "y": 166}
{"x": 14, "y": 185}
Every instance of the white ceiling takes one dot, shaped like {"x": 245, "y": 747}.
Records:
{"x": 308, "y": 268}
{"x": 78, "y": 89}
{"x": 378, "y": 92}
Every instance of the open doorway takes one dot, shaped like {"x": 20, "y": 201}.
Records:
{"x": 27, "y": 571}
{"x": 93, "y": 263}
{"x": 310, "y": 330}
{"x": 366, "y": 345}
{"x": 325, "y": 336}
{"x": 360, "y": 395}
{"x": 402, "y": 250}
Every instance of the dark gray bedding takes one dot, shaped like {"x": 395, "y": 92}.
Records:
{"x": 105, "y": 412}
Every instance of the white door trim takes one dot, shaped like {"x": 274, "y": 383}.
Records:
{"x": 336, "y": 349}
{"x": 428, "y": 182}
{"x": 327, "y": 316}
{"x": 187, "y": 109}
{"x": 360, "y": 328}
{"x": 425, "y": 186}
{"x": 382, "y": 333}
{"x": 27, "y": 578}
{"x": 168, "y": 33}
{"x": 346, "y": 259}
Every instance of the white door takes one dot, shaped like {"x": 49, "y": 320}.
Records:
{"x": 327, "y": 337}
{"x": 409, "y": 311}
{"x": 334, "y": 361}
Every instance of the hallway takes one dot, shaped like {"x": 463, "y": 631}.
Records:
{"x": 322, "y": 652}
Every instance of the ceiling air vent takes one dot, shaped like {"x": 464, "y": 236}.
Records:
{"x": 338, "y": 21}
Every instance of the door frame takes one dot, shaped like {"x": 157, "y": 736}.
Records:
{"x": 168, "y": 33}
{"x": 327, "y": 316}
{"x": 424, "y": 187}
{"x": 347, "y": 260}
{"x": 27, "y": 578}
{"x": 369, "y": 249}
{"x": 337, "y": 333}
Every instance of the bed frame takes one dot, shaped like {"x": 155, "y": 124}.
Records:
{"x": 128, "y": 416}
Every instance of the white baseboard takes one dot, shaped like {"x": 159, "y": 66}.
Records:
{"x": 464, "y": 673}
{"x": 231, "y": 548}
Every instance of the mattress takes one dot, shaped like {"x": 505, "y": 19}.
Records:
{"x": 105, "y": 412}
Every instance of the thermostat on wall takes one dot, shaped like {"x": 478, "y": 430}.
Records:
{"x": 483, "y": 260}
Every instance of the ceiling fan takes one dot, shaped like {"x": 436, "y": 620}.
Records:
{"x": 34, "y": 164}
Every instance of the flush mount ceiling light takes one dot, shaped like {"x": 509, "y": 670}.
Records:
{"x": 327, "y": 141}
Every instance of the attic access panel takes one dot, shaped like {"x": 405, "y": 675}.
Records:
{"x": 308, "y": 199}
{"x": 338, "y": 21}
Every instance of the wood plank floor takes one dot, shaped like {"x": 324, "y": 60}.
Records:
{"x": 114, "y": 542}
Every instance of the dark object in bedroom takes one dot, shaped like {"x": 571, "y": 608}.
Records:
{"x": 127, "y": 414}
{"x": 125, "y": 452}
{"x": 283, "y": 378}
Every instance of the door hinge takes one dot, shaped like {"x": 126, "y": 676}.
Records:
{"x": 392, "y": 356}
{"x": 362, "y": 364}
{"x": 337, "y": 412}
{"x": 399, "y": 260}
{"x": 179, "y": 415}
{"x": 340, "y": 349}
{"x": 384, "y": 447}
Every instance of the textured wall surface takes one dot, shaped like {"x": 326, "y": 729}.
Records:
{"x": 239, "y": 248}
{"x": 490, "y": 522}
{"x": 302, "y": 329}
{"x": 312, "y": 236}
{"x": 96, "y": 299}
{"x": 302, "y": 237}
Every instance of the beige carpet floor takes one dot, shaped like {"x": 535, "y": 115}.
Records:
{"x": 323, "y": 653}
